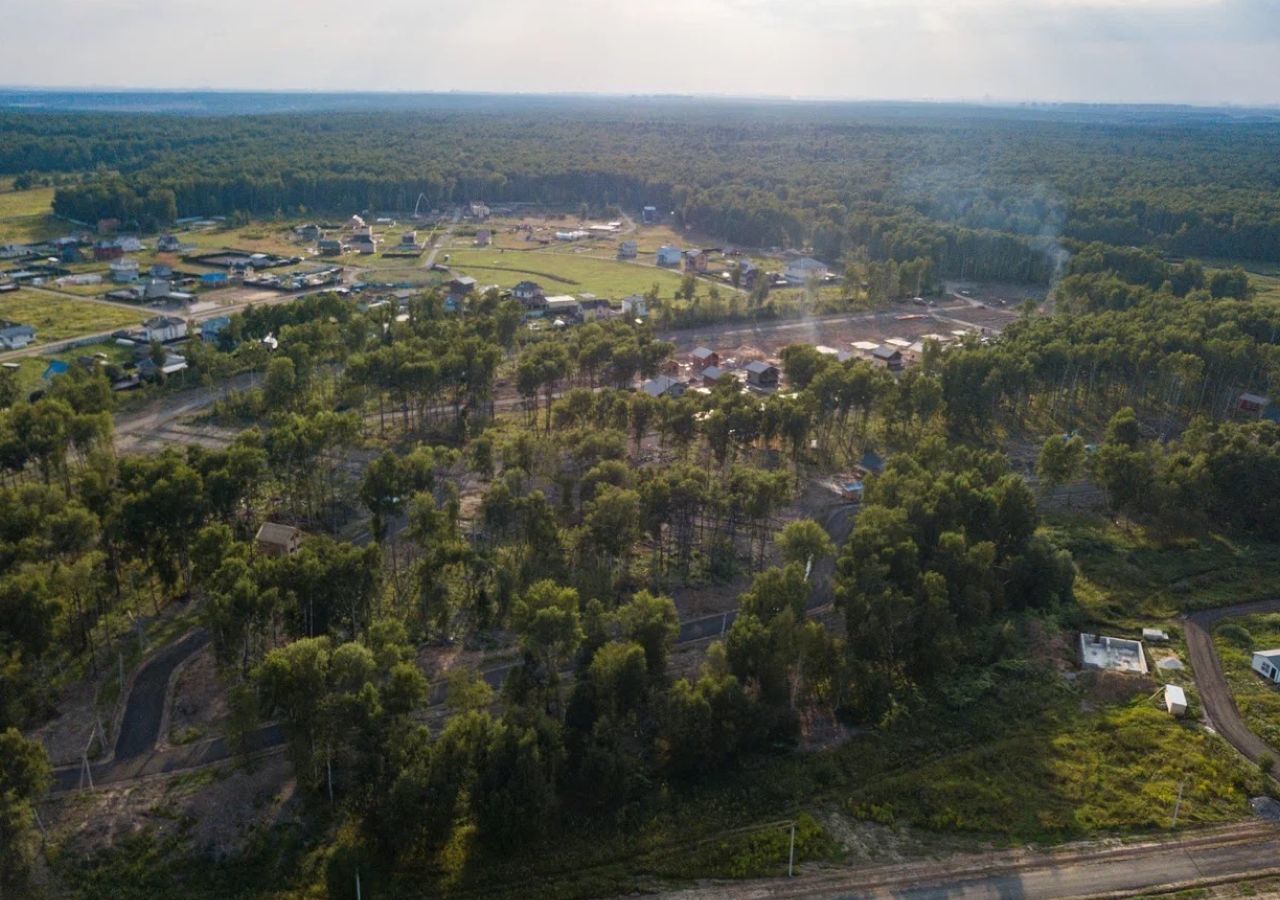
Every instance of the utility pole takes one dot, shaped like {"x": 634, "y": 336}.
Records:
{"x": 358, "y": 884}
{"x": 1177, "y": 804}
{"x": 791, "y": 859}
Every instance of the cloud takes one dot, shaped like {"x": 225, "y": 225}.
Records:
{"x": 1203, "y": 51}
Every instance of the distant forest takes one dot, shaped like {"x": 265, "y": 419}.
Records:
{"x": 984, "y": 193}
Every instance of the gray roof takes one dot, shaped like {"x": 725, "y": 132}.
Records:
{"x": 17, "y": 331}
{"x": 886, "y": 353}
{"x": 759, "y": 368}
{"x": 656, "y": 387}
{"x": 712, "y": 372}
{"x": 275, "y": 533}
{"x": 702, "y": 353}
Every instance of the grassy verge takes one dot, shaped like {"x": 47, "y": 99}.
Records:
{"x": 1258, "y": 700}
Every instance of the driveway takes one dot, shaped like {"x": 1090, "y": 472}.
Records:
{"x": 1220, "y": 707}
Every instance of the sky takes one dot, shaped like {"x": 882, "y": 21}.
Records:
{"x": 1205, "y": 52}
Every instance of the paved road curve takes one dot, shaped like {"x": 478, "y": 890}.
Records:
{"x": 1211, "y": 683}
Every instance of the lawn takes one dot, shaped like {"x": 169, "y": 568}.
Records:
{"x": 56, "y": 318}
{"x": 1129, "y": 578}
{"x": 1258, "y": 700}
{"x": 35, "y": 202}
{"x": 563, "y": 272}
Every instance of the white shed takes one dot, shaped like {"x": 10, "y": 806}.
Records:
{"x": 1175, "y": 700}
{"x": 1267, "y": 664}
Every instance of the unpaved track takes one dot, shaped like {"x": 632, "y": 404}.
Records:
{"x": 1219, "y": 855}
{"x": 1211, "y": 683}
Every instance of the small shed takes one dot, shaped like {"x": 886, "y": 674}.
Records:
{"x": 275, "y": 539}
{"x": 887, "y": 358}
{"x": 1175, "y": 700}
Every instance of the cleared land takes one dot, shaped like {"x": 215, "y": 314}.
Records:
{"x": 56, "y": 318}
{"x": 569, "y": 272}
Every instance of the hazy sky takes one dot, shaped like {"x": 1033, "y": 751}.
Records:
{"x": 1197, "y": 51}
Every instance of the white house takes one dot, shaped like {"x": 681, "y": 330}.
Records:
{"x": 164, "y": 328}
{"x": 800, "y": 271}
{"x": 1267, "y": 664}
{"x": 1175, "y": 700}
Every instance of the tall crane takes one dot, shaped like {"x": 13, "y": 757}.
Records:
{"x": 416, "y": 214}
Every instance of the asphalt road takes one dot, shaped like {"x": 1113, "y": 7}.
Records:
{"x": 1212, "y": 685}
{"x": 140, "y": 725}
{"x": 1218, "y": 855}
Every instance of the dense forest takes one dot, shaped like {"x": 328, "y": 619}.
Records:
{"x": 993, "y": 194}
{"x": 470, "y": 485}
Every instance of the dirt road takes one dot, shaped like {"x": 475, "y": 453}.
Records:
{"x": 1221, "y": 855}
{"x": 1215, "y": 693}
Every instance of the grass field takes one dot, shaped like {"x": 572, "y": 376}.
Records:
{"x": 35, "y": 202}
{"x": 1258, "y": 700}
{"x": 57, "y": 318}
{"x": 563, "y": 272}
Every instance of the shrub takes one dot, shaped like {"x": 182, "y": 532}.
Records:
{"x": 1236, "y": 634}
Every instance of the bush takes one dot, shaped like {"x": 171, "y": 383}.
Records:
{"x": 1236, "y": 634}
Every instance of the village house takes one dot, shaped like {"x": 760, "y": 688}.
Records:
{"x": 662, "y": 386}
{"x": 649, "y": 215}
{"x": 635, "y": 306}
{"x": 593, "y": 308}
{"x": 124, "y": 271}
{"x": 669, "y": 257}
{"x": 704, "y": 356}
{"x": 310, "y": 232}
{"x": 710, "y": 375}
{"x": 15, "y": 337}
{"x": 106, "y": 252}
{"x": 801, "y": 271}
{"x": 887, "y": 358}
{"x": 564, "y": 307}
{"x": 484, "y": 237}
{"x": 1253, "y": 405}
{"x": 1267, "y": 664}
{"x": 172, "y": 365}
{"x": 628, "y": 250}
{"x": 274, "y": 539}
{"x": 170, "y": 244}
{"x": 211, "y": 329}
{"x": 695, "y": 261}
{"x": 462, "y": 285}
{"x": 763, "y": 376}
{"x": 526, "y": 291}
{"x": 363, "y": 243}
{"x": 164, "y": 329}
{"x": 479, "y": 211}
{"x": 409, "y": 242}
{"x": 330, "y": 247}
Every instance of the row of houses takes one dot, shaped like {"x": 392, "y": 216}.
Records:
{"x": 585, "y": 307}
